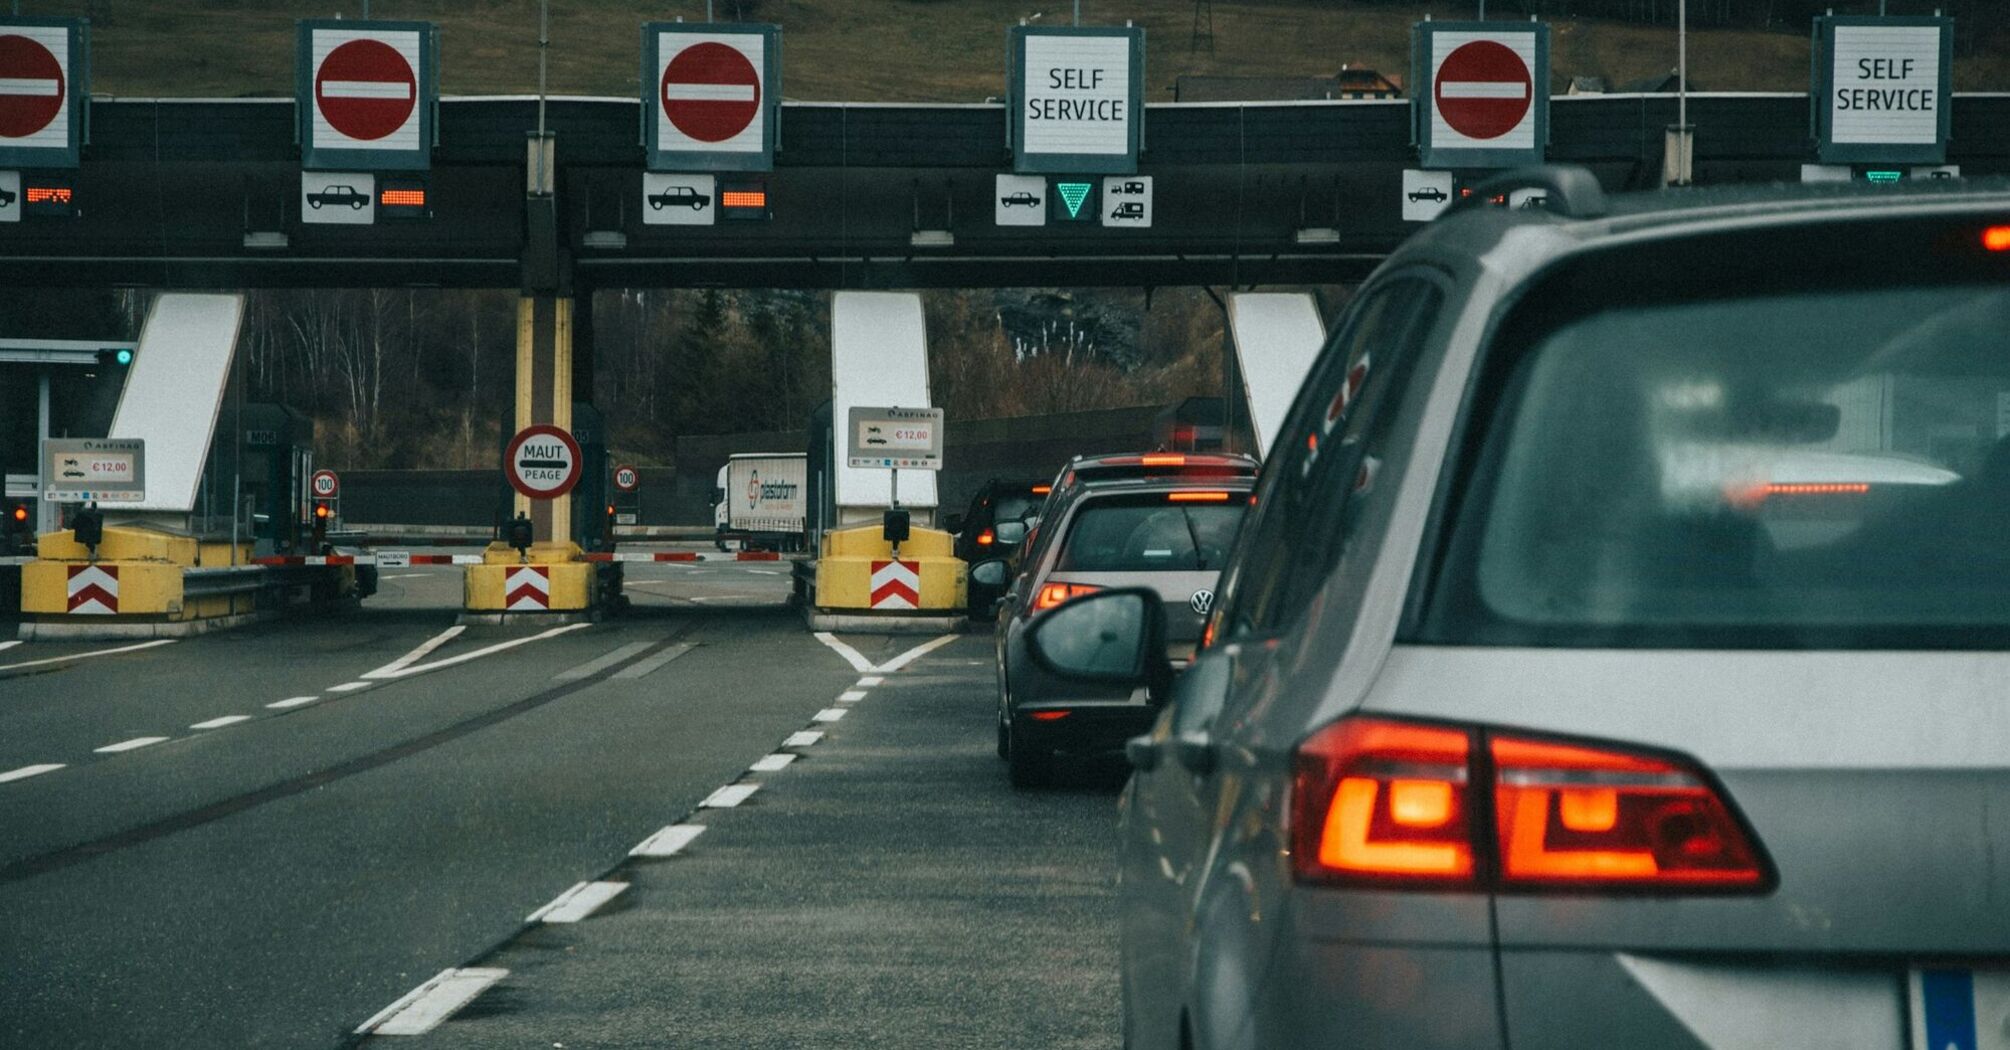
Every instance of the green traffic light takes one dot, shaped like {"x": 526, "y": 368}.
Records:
{"x": 1883, "y": 176}
{"x": 125, "y": 357}
{"x": 1073, "y": 194}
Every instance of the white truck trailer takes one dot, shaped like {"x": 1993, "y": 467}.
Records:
{"x": 760, "y": 501}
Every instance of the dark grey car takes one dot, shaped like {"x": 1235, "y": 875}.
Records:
{"x": 1615, "y": 655}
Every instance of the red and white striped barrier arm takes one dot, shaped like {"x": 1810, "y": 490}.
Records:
{"x": 401, "y": 559}
{"x": 660, "y": 556}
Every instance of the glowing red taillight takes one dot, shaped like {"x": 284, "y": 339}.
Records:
{"x": 986, "y": 538}
{"x": 1382, "y": 802}
{"x": 1049, "y": 716}
{"x": 1053, "y": 594}
{"x": 1996, "y": 239}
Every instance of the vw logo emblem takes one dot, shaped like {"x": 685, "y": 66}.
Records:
{"x": 1201, "y": 602}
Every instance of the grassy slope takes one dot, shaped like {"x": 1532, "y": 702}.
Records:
{"x": 877, "y": 50}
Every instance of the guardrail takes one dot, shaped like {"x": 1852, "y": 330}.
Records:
{"x": 401, "y": 559}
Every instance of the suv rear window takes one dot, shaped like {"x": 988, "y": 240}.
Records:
{"x": 1804, "y": 468}
{"x": 1147, "y": 533}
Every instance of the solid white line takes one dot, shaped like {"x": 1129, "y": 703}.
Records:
{"x": 405, "y": 576}
{"x": 10, "y": 645}
{"x": 219, "y": 723}
{"x": 578, "y": 902}
{"x": 915, "y": 653}
{"x": 407, "y": 660}
{"x": 870, "y": 680}
{"x": 82, "y": 656}
{"x": 803, "y": 738}
{"x": 772, "y": 763}
{"x": 389, "y": 89}
{"x": 489, "y": 651}
{"x": 851, "y": 696}
{"x": 601, "y": 663}
{"x": 423, "y": 1008}
{"x": 669, "y": 842}
{"x": 729, "y": 796}
{"x": 294, "y": 701}
{"x": 709, "y": 92}
{"x": 29, "y": 771}
{"x": 644, "y": 668}
{"x": 349, "y": 687}
{"x": 129, "y": 745}
{"x": 830, "y": 714}
{"x": 852, "y": 656}
{"x": 1482, "y": 89}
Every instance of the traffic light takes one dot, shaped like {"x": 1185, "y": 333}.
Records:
{"x": 16, "y": 529}
{"x": 521, "y": 535}
{"x": 322, "y": 512}
{"x": 88, "y": 525}
{"x": 121, "y": 357}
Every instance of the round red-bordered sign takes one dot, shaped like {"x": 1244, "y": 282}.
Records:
{"x": 366, "y": 89}
{"x": 627, "y": 478}
{"x": 1483, "y": 89}
{"x": 542, "y": 462}
{"x": 710, "y": 91}
{"x": 325, "y": 485}
{"x": 28, "y": 63}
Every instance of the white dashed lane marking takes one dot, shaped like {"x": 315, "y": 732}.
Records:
{"x": 771, "y": 763}
{"x": 729, "y": 796}
{"x": 578, "y": 902}
{"x": 130, "y": 745}
{"x": 830, "y": 714}
{"x": 292, "y": 701}
{"x": 219, "y": 723}
{"x": 870, "y": 680}
{"x": 29, "y": 771}
{"x": 804, "y": 738}
{"x": 851, "y": 696}
{"x": 423, "y": 1008}
{"x": 669, "y": 842}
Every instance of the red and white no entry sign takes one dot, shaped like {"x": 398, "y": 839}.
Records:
{"x": 542, "y": 461}
{"x": 325, "y": 484}
{"x": 366, "y": 89}
{"x": 32, "y": 86}
{"x": 711, "y": 91}
{"x": 1483, "y": 90}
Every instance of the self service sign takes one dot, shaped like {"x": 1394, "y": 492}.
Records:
{"x": 1077, "y": 97}
{"x": 1881, "y": 89}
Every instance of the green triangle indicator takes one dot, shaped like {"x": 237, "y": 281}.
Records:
{"x": 1073, "y": 194}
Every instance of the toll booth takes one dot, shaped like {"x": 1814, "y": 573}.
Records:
{"x": 277, "y": 461}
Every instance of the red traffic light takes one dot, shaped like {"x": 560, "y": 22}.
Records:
{"x": 19, "y": 513}
{"x": 321, "y": 511}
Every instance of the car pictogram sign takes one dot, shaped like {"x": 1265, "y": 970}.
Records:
{"x": 713, "y": 90}
{"x": 543, "y": 461}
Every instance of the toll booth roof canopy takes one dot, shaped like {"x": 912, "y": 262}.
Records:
{"x": 174, "y": 391}
{"x": 879, "y": 359}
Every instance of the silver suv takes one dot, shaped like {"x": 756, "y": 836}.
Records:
{"x": 1615, "y": 654}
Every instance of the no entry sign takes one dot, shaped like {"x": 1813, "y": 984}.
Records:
{"x": 713, "y": 91}
{"x": 43, "y": 70}
{"x": 366, "y": 94}
{"x": 542, "y": 462}
{"x": 1488, "y": 98}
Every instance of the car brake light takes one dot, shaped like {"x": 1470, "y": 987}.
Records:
{"x": 1384, "y": 802}
{"x": 1996, "y": 239}
{"x": 1172, "y": 460}
{"x": 1053, "y": 594}
{"x": 1573, "y": 815}
{"x": 1202, "y": 496}
{"x": 1048, "y": 716}
{"x": 1041, "y": 490}
{"x": 986, "y": 538}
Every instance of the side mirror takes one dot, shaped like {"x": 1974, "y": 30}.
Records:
{"x": 1114, "y": 636}
{"x": 988, "y": 573}
{"x": 1010, "y": 532}
{"x": 953, "y": 523}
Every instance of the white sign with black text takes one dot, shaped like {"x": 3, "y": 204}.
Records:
{"x": 679, "y": 200}
{"x": 1078, "y": 95}
{"x": 1887, "y": 85}
{"x": 1127, "y": 200}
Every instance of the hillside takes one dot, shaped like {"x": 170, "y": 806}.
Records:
{"x": 887, "y": 50}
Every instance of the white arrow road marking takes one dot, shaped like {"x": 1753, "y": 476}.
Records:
{"x": 578, "y": 902}
{"x": 729, "y": 796}
{"x": 1483, "y": 89}
{"x": 293, "y": 701}
{"x": 348, "y": 687}
{"x": 869, "y": 681}
{"x": 9, "y": 645}
{"x": 219, "y": 723}
{"x": 391, "y": 89}
{"x": 84, "y": 656}
{"x": 390, "y": 670}
{"x": 708, "y": 92}
{"x": 852, "y": 656}
{"x": 423, "y": 1008}
{"x": 488, "y": 651}
{"x": 130, "y": 745}
{"x": 669, "y": 842}
{"x": 29, "y": 771}
{"x": 864, "y": 666}
{"x": 915, "y": 653}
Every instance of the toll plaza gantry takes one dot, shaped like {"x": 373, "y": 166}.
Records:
{"x": 366, "y": 178}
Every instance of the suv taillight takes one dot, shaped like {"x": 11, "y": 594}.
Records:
{"x": 1053, "y": 594}
{"x": 1382, "y": 802}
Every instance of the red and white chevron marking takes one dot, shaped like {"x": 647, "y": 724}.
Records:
{"x": 527, "y": 588}
{"x": 94, "y": 590}
{"x": 896, "y": 585}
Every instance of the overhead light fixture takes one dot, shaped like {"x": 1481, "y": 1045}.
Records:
{"x": 265, "y": 239}
{"x": 932, "y": 239}
{"x": 1317, "y": 235}
{"x": 609, "y": 240}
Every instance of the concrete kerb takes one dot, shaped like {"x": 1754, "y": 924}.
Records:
{"x": 83, "y": 630}
{"x": 540, "y": 619}
{"x": 872, "y": 623}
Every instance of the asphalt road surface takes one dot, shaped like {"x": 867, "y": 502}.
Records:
{"x": 318, "y": 832}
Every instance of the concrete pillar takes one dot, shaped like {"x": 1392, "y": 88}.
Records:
{"x": 544, "y": 372}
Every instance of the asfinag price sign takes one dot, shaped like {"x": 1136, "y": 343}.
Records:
{"x": 1077, "y": 98}
{"x": 897, "y": 438}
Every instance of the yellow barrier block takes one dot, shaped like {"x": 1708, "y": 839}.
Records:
{"x": 553, "y": 580}
{"x": 137, "y": 575}
{"x": 856, "y": 570}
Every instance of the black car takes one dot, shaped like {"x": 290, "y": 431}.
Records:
{"x": 1001, "y": 515}
{"x": 338, "y": 195}
{"x": 678, "y": 197}
{"x": 1429, "y": 193}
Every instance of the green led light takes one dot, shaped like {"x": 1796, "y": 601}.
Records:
{"x": 125, "y": 357}
{"x": 1073, "y": 194}
{"x": 1883, "y": 176}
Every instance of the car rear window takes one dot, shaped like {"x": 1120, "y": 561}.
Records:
{"x": 1147, "y": 533}
{"x": 1015, "y": 508}
{"x": 1805, "y": 468}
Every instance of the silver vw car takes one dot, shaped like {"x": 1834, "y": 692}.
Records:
{"x": 1616, "y": 654}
